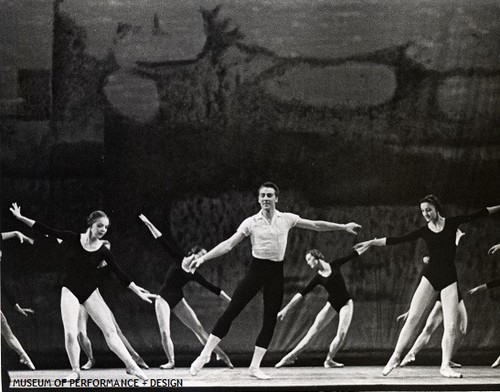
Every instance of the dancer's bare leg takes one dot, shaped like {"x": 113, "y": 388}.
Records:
{"x": 14, "y": 344}
{"x": 102, "y": 316}
{"x": 83, "y": 338}
{"x": 135, "y": 356}
{"x": 462, "y": 331}
{"x": 496, "y": 363}
{"x": 325, "y": 316}
{"x": 424, "y": 297}
{"x": 70, "y": 309}
{"x": 163, "y": 316}
{"x": 188, "y": 317}
{"x": 449, "y": 299}
{"x": 345, "y": 318}
{"x": 434, "y": 319}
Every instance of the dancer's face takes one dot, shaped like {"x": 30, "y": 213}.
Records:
{"x": 312, "y": 261}
{"x": 429, "y": 211}
{"x": 99, "y": 228}
{"x": 267, "y": 198}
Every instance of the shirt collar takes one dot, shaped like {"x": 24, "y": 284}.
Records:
{"x": 260, "y": 215}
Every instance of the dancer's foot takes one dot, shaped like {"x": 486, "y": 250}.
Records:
{"x": 139, "y": 361}
{"x": 455, "y": 365}
{"x": 391, "y": 365}
{"x": 496, "y": 363}
{"x": 168, "y": 365}
{"x": 137, "y": 372}
{"x": 330, "y": 364}
{"x": 25, "y": 360}
{"x": 198, "y": 364}
{"x": 257, "y": 373}
{"x": 224, "y": 358}
{"x": 285, "y": 361}
{"x": 89, "y": 365}
{"x": 447, "y": 371}
{"x": 74, "y": 375}
{"x": 410, "y": 357}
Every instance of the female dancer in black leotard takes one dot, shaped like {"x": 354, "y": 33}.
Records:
{"x": 7, "y": 333}
{"x": 435, "y": 319}
{"x": 84, "y": 254}
{"x": 440, "y": 275}
{"x": 171, "y": 297}
{"x": 488, "y": 286}
{"x": 339, "y": 301}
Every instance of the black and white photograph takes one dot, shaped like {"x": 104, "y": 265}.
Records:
{"x": 264, "y": 195}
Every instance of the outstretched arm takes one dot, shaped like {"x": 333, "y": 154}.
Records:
{"x": 17, "y": 234}
{"x": 474, "y": 290}
{"x": 16, "y": 211}
{"x": 293, "y": 302}
{"x": 494, "y": 249}
{"x": 152, "y": 228}
{"x": 221, "y": 249}
{"x": 493, "y": 210}
{"x": 319, "y": 225}
{"x": 365, "y": 245}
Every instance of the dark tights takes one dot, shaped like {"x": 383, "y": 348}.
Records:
{"x": 264, "y": 274}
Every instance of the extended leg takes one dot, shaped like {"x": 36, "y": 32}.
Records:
{"x": 163, "y": 316}
{"x": 83, "y": 338}
{"x": 70, "y": 309}
{"x": 14, "y": 344}
{"x": 345, "y": 317}
{"x": 449, "y": 298}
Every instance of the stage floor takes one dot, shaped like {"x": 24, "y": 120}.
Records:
{"x": 350, "y": 378}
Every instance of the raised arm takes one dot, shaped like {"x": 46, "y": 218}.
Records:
{"x": 16, "y": 211}
{"x": 493, "y": 210}
{"x": 167, "y": 241}
{"x": 319, "y": 225}
{"x": 17, "y": 234}
{"x": 221, "y": 249}
{"x": 494, "y": 249}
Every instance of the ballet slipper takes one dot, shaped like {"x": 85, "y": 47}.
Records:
{"x": 142, "y": 364}
{"x": 74, "y": 375}
{"x": 89, "y": 365}
{"x": 391, "y": 365}
{"x": 257, "y": 373}
{"x": 410, "y": 357}
{"x": 455, "y": 365}
{"x": 446, "y": 371}
{"x": 330, "y": 364}
{"x": 137, "y": 372}
{"x": 285, "y": 361}
{"x": 168, "y": 365}
{"x": 25, "y": 360}
{"x": 198, "y": 364}
{"x": 224, "y": 358}
{"x": 496, "y": 363}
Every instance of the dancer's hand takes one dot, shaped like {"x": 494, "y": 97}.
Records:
{"x": 476, "y": 289}
{"x": 282, "y": 314}
{"x": 362, "y": 247}
{"x": 140, "y": 292}
{"x": 23, "y": 238}
{"x": 352, "y": 227}
{"x": 224, "y": 296}
{"x": 403, "y": 317}
{"x": 426, "y": 259}
{"x": 16, "y": 210}
{"x": 143, "y": 218}
{"x": 24, "y": 311}
{"x": 186, "y": 263}
{"x": 152, "y": 296}
{"x": 494, "y": 249}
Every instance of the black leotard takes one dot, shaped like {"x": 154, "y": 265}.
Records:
{"x": 334, "y": 283}
{"x": 83, "y": 273}
{"x": 441, "y": 271}
{"x": 176, "y": 277}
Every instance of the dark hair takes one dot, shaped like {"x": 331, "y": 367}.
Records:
{"x": 431, "y": 199}
{"x": 195, "y": 249}
{"x": 95, "y": 216}
{"x": 316, "y": 253}
{"x": 269, "y": 184}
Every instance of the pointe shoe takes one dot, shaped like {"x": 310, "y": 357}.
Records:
{"x": 25, "y": 360}
{"x": 449, "y": 373}
{"x": 410, "y": 357}
{"x": 225, "y": 359}
{"x": 89, "y": 365}
{"x": 257, "y": 373}
{"x": 140, "y": 362}
{"x": 197, "y": 365}
{"x": 455, "y": 365}
{"x": 74, "y": 375}
{"x": 285, "y": 361}
{"x": 496, "y": 363}
{"x": 391, "y": 365}
{"x": 330, "y": 364}
{"x": 168, "y": 365}
{"x": 137, "y": 373}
